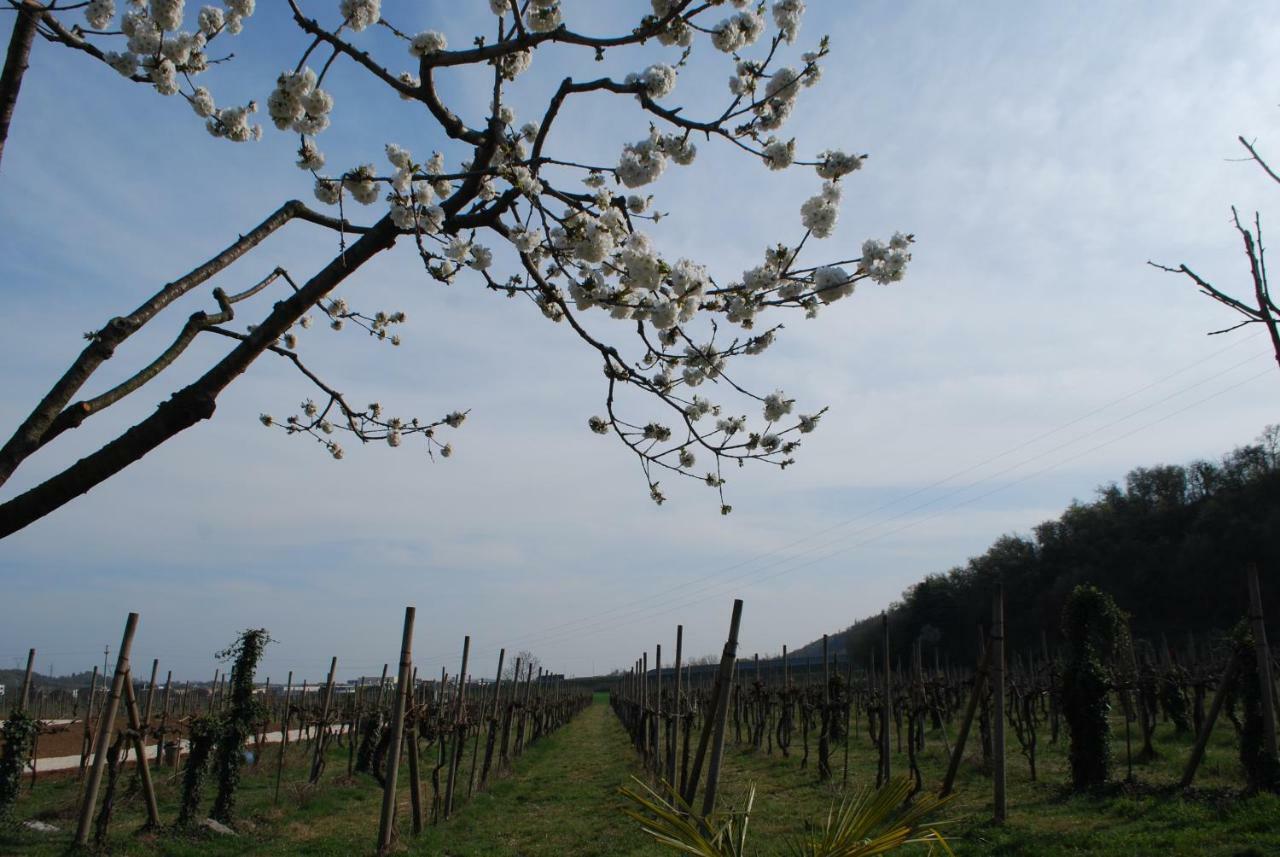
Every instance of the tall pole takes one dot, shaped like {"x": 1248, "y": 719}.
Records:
{"x": 397, "y": 734}
{"x": 997, "y": 715}
{"x": 24, "y": 697}
{"x": 676, "y": 710}
{"x": 720, "y": 717}
{"x": 106, "y": 724}
{"x": 885, "y": 761}
{"x": 1264, "y": 661}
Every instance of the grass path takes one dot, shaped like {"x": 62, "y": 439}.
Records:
{"x": 563, "y": 799}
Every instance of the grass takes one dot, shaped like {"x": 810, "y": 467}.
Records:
{"x": 562, "y": 800}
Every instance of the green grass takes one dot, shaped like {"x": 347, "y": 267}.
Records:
{"x": 562, "y": 800}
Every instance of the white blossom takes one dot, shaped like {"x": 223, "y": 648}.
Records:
{"x": 202, "y": 102}
{"x": 832, "y": 283}
{"x": 428, "y": 42}
{"x": 779, "y": 155}
{"x": 544, "y": 15}
{"x": 836, "y": 164}
{"x": 819, "y": 213}
{"x": 309, "y": 157}
{"x": 776, "y": 406}
{"x": 786, "y": 14}
{"x": 360, "y": 14}
{"x": 328, "y": 191}
{"x": 99, "y": 13}
{"x": 167, "y": 14}
{"x": 165, "y": 77}
{"x": 125, "y": 63}
{"x": 210, "y": 20}
{"x": 735, "y": 33}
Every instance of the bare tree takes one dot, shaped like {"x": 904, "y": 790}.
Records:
{"x": 1257, "y": 307}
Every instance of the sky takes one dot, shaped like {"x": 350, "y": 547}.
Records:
{"x": 1040, "y": 152}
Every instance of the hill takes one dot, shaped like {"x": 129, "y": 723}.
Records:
{"x": 1170, "y": 545}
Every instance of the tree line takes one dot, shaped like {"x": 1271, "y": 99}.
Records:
{"x": 1169, "y": 544}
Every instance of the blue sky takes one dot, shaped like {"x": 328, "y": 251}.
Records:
{"x": 1041, "y": 153}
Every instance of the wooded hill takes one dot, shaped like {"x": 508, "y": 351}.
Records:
{"x": 1170, "y": 545}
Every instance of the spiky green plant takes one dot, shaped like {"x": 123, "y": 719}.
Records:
{"x": 871, "y": 822}
{"x": 666, "y": 817}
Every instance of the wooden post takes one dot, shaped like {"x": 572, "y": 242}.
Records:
{"x": 86, "y": 746}
{"x": 658, "y": 759}
{"x": 997, "y": 715}
{"x": 676, "y": 710}
{"x": 397, "y": 734}
{"x": 455, "y": 756}
{"x": 24, "y": 696}
{"x": 885, "y": 759}
{"x": 1266, "y": 688}
{"x": 284, "y": 734}
{"x": 957, "y": 753}
{"x": 494, "y": 721}
{"x": 140, "y": 755}
{"x": 106, "y": 724}
{"x": 848, "y": 704}
{"x": 1206, "y": 728}
{"x": 322, "y": 729}
{"x": 713, "y": 731}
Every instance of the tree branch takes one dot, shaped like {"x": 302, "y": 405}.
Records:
{"x": 102, "y": 344}
{"x": 196, "y": 401}
{"x": 15, "y": 64}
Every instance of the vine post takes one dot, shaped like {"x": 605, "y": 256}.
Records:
{"x": 886, "y": 762}
{"x": 86, "y": 743}
{"x": 1225, "y": 686}
{"x": 720, "y": 712}
{"x": 105, "y": 724}
{"x": 957, "y": 752}
{"x": 657, "y": 712}
{"x": 322, "y": 730}
{"x": 1264, "y": 661}
{"x": 284, "y": 734}
{"x": 459, "y": 735}
{"x": 676, "y": 710}
{"x": 386, "y": 819}
{"x": 140, "y": 754}
{"x": 25, "y": 696}
{"x": 997, "y": 717}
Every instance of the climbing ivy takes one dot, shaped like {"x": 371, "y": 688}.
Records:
{"x": 19, "y": 738}
{"x": 203, "y": 731}
{"x": 237, "y": 724}
{"x": 1095, "y": 630}
{"x": 1261, "y": 769}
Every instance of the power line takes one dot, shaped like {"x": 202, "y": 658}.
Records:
{"x": 598, "y": 619}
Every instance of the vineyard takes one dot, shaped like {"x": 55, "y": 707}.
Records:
{"x": 1103, "y": 742}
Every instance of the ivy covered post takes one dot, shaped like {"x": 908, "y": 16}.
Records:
{"x": 1258, "y": 628}
{"x": 240, "y": 719}
{"x": 1094, "y": 628}
{"x": 1261, "y": 768}
{"x": 19, "y": 732}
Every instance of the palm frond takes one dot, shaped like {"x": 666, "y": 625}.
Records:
{"x": 672, "y": 823}
{"x": 872, "y": 822}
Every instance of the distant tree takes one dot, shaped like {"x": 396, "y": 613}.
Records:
{"x": 505, "y": 204}
{"x": 526, "y": 659}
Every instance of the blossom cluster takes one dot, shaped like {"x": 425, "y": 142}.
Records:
{"x": 574, "y": 250}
